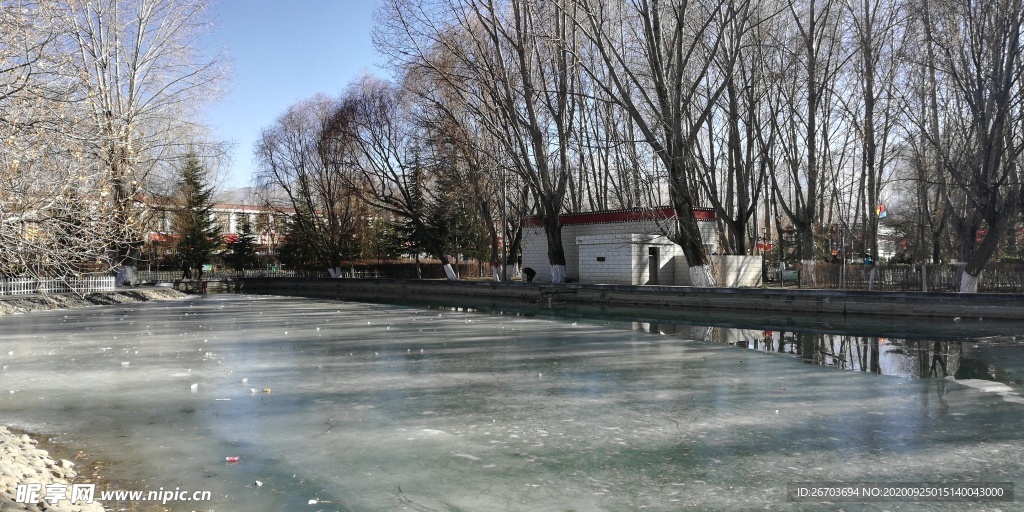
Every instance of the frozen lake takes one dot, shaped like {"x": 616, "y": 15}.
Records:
{"x": 383, "y": 407}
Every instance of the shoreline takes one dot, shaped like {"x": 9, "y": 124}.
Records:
{"x": 811, "y": 303}
{"x": 31, "y": 458}
{"x": 25, "y": 462}
{"x": 18, "y": 304}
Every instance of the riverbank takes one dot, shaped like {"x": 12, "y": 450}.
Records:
{"x": 22, "y": 460}
{"x": 836, "y": 305}
{"x": 14, "y": 304}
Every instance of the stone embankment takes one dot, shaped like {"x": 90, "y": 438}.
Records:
{"x": 23, "y": 463}
{"x": 671, "y": 299}
{"x": 26, "y": 303}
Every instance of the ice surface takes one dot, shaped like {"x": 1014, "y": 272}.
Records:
{"x": 352, "y": 406}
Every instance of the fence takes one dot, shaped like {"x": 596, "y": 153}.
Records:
{"x": 387, "y": 270}
{"x": 997, "y": 277}
{"x": 169, "y": 276}
{"x": 79, "y": 285}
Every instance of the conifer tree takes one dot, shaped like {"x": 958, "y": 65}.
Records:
{"x": 243, "y": 250}
{"x": 199, "y": 235}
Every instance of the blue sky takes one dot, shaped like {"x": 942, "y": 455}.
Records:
{"x": 283, "y": 51}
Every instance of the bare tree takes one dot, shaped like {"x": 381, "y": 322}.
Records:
{"x": 878, "y": 31}
{"x": 55, "y": 214}
{"x": 979, "y": 68}
{"x": 518, "y": 57}
{"x": 141, "y": 81}
{"x": 920, "y": 101}
{"x": 811, "y": 145}
{"x": 394, "y": 170}
{"x": 662, "y": 60}
{"x": 306, "y": 161}
{"x": 732, "y": 158}
{"x": 616, "y": 168}
{"x": 473, "y": 157}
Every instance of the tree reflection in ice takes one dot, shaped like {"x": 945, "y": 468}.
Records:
{"x": 914, "y": 358}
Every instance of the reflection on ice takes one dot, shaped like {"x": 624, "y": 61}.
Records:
{"x": 915, "y": 358}
{"x": 375, "y": 407}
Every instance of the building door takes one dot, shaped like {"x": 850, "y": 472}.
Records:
{"x": 652, "y": 258}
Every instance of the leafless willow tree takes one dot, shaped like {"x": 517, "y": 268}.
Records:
{"x": 513, "y": 62}
{"x": 474, "y": 159}
{"x": 392, "y": 162}
{"x": 306, "y": 171}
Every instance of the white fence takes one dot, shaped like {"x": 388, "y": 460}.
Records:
{"x": 170, "y": 276}
{"x": 80, "y": 285}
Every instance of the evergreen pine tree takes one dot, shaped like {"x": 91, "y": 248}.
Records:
{"x": 243, "y": 250}
{"x": 199, "y": 235}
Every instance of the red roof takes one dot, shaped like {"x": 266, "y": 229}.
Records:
{"x": 616, "y": 216}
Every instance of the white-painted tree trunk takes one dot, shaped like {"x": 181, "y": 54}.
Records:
{"x": 702, "y": 276}
{"x": 968, "y": 283}
{"x": 125, "y": 276}
{"x": 335, "y": 272}
{"x": 557, "y": 274}
{"x": 512, "y": 271}
{"x": 871, "y": 278}
{"x": 450, "y": 273}
{"x": 807, "y": 269}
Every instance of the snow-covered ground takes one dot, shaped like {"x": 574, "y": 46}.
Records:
{"x": 350, "y": 406}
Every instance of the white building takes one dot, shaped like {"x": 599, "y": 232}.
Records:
{"x": 615, "y": 247}
{"x": 267, "y": 224}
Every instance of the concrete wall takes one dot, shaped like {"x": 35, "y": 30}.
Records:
{"x": 606, "y": 259}
{"x": 625, "y": 259}
{"x": 738, "y": 271}
{"x": 854, "y": 310}
{"x": 730, "y": 271}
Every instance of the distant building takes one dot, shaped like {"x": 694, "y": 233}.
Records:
{"x": 267, "y": 224}
{"x": 268, "y": 227}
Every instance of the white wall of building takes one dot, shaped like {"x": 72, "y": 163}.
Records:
{"x": 620, "y": 253}
{"x": 626, "y": 259}
{"x": 625, "y": 247}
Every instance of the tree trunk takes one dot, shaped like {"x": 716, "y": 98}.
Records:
{"x": 449, "y": 272}
{"x": 702, "y": 276}
{"x": 556, "y": 252}
{"x": 968, "y": 283}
